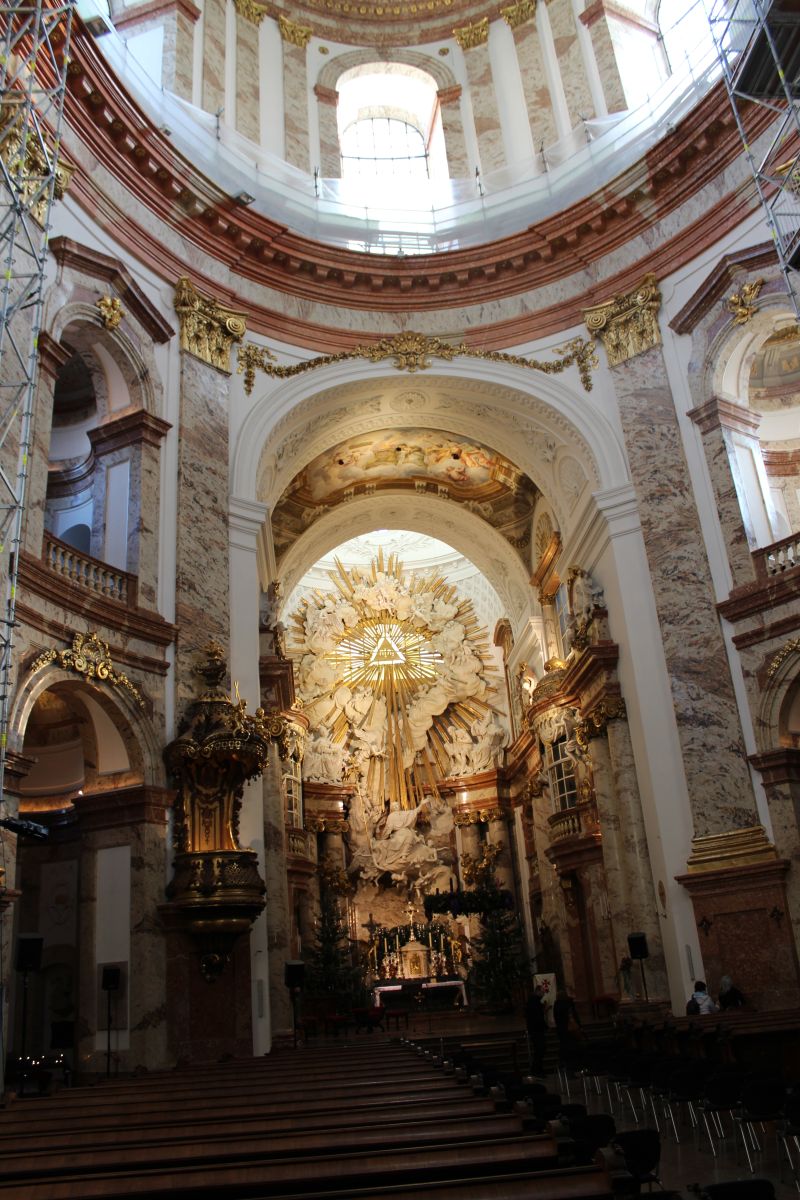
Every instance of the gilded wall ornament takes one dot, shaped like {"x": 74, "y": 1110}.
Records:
{"x": 628, "y": 324}
{"x": 470, "y": 36}
{"x": 294, "y": 34}
{"x": 790, "y": 647}
{"x": 208, "y": 329}
{"x": 111, "y": 311}
{"x": 413, "y": 352}
{"x": 516, "y": 14}
{"x": 30, "y": 173}
{"x": 596, "y": 723}
{"x": 89, "y": 657}
{"x": 742, "y": 303}
{"x": 250, "y": 11}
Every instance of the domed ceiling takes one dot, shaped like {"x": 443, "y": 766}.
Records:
{"x": 419, "y": 460}
{"x": 775, "y": 373}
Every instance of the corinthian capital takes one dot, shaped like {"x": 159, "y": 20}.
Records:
{"x": 208, "y": 330}
{"x": 628, "y": 324}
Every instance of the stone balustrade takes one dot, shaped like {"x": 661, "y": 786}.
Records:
{"x": 88, "y": 572}
{"x": 577, "y": 821}
{"x": 779, "y": 557}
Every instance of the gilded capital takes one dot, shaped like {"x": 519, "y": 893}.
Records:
{"x": 250, "y": 11}
{"x": 31, "y": 168}
{"x": 296, "y": 35}
{"x": 208, "y": 330}
{"x": 469, "y": 36}
{"x": 516, "y": 14}
{"x": 628, "y": 324}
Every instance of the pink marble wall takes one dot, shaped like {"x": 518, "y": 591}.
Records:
{"x": 714, "y": 756}
{"x": 330, "y": 163}
{"x": 213, "y": 55}
{"x": 484, "y": 108}
{"x": 570, "y": 60}
{"x": 295, "y": 101}
{"x": 534, "y": 83}
{"x": 453, "y": 130}
{"x": 606, "y": 58}
{"x": 248, "y": 79}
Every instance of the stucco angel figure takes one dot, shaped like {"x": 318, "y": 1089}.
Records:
{"x": 324, "y": 759}
{"x": 490, "y": 738}
{"x": 459, "y": 749}
{"x": 398, "y": 847}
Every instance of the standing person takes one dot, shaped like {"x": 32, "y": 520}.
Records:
{"x": 564, "y": 1014}
{"x": 729, "y": 994}
{"x": 536, "y": 1021}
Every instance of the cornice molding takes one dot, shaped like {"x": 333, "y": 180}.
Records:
{"x": 262, "y": 251}
{"x": 131, "y": 429}
{"x": 52, "y": 355}
{"x": 146, "y": 12}
{"x": 108, "y": 271}
{"x": 715, "y": 285}
{"x": 723, "y": 414}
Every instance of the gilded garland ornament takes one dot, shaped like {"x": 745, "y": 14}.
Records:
{"x": 413, "y": 352}
{"x": 89, "y": 657}
{"x": 790, "y": 647}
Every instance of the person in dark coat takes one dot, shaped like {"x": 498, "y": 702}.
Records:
{"x": 564, "y": 1013}
{"x": 536, "y": 1021}
{"x": 729, "y": 994}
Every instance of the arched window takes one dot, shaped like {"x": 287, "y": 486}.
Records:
{"x": 389, "y": 124}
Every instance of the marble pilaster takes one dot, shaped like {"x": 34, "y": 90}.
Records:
{"x": 52, "y": 357}
{"x": 570, "y": 61}
{"x": 484, "y": 101}
{"x": 213, "y": 92}
{"x": 279, "y": 917}
{"x": 330, "y": 160}
{"x": 248, "y": 80}
{"x": 498, "y": 834}
{"x": 453, "y": 129}
{"x": 295, "y": 94}
{"x": 780, "y": 773}
{"x": 532, "y": 70}
{"x": 136, "y": 439}
{"x": 718, "y": 781}
{"x": 626, "y": 859}
{"x": 595, "y": 19}
{"x": 134, "y": 817}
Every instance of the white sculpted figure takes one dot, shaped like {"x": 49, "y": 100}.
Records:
{"x": 398, "y": 848}
{"x": 315, "y": 676}
{"x": 490, "y": 738}
{"x": 324, "y": 759}
{"x": 459, "y": 748}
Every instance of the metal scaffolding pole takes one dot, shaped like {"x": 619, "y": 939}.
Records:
{"x": 34, "y": 55}
{"x": 758, "y": 46}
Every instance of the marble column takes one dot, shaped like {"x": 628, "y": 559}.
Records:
{"x": 52, "y": 358}
{"x": 213, "y": 91}
{"x": 279, "y": 917}
{"x": 499, "y": 834}
{"x": 16, "y": 768}
{"x": 521, "y": 19}
{"x": 176, "y": 19}
{"x": 719, "y": 421}
{"x": 714, "y": 760}
{"x": 330, "y": 160}
{"x": 780, "y": 772}
{"x": 626, "y": 859}
{"x": 473, "y": 40}
{"x": 570, "y": 61}
{"x": 248, "y": 74}
{"x": 201, "y": 571}
{"x": 295, "y": 92}
{"x": 552, "y": 69}
{"x": 469, "y": 839}
{"x": 455, "y": 144}
{"x": 134, "y": 439}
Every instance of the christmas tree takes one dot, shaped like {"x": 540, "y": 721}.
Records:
{"x": 500, "y": 964}
{"x": 332, "y": 978}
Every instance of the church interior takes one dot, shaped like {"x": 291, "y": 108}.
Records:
{"x": 400, "y": 464}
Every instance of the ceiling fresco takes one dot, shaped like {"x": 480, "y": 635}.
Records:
{"x": 422, "y": 460}
{"x": 775, "y": 373}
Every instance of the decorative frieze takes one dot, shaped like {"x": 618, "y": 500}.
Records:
{"x": 208, "y": 329}
{"x": 516, "y": 14}
{"x": 790, "y": 647}
{"x": 470, "y": 36}
{"x": 627, "y": 325}
{"x": 294, "y": 34}
{"x": 315, "y": 824}
{"x": 465, "y": 817}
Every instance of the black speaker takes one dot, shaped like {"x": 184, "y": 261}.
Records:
{"x": 29, "y": 952}
{"x": 110, "y": 981}
{"x": 294, "y": 974}
{"x": 637, "y": 945}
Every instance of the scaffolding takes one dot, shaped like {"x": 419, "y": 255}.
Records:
{"x": 33, "y": 70}
{"x": 758, "y": 46}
